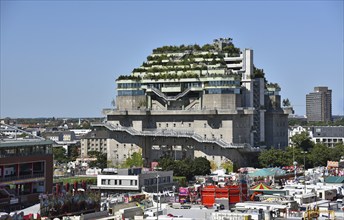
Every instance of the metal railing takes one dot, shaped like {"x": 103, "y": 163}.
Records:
{"x": 174, "y": 133}
{"x": 9, "y": 178}
{"x": 169, "y": 98}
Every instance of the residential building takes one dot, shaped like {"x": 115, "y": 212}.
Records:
{"x": 94, "y": 141}
{"x": 295, "y": 130}
{"x": 193, "y": 101}
{"x": 136, "y": 179}
{"x": 80, "y": 132}
{"x": 328, "y": 135}
{"x": 26, "y": 171}
{"x": 61, "y": 137}
{"x": 319, "y": 104}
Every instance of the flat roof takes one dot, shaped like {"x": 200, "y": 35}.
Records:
{"x": 23, "y": 142}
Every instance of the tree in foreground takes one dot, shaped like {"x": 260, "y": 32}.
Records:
{"x": 101, "y": 161}
{"x": 135, "y": 160}
{"x": 187, "y": 167}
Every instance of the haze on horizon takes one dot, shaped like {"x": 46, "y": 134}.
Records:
{"x": 61, "y": 58}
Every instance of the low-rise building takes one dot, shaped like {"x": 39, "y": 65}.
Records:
{"x": 328, "y": 135}
{"x": 136, "y": 179}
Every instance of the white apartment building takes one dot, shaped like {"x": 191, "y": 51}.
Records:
{"x": 135, "y": 179}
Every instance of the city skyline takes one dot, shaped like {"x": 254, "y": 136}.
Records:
{"x": 61, "y": 59}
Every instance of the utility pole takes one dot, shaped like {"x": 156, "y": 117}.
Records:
{"x": 304, "y": 168}
{"x": 157, "y": 196}
{"x": 294, "y": 162}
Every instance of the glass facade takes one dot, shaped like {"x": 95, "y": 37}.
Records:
{"x": 223, "y": 91}
{"x": 25, "y": 150}
{"x": 130, "y": 92}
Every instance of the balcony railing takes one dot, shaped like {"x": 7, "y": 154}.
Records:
{"x": 177, "y": 133}
{"x": 21, "y": 154}
{"x": 9, "y": 178}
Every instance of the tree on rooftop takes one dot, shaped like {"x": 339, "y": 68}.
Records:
{"x": 286, "y": 102}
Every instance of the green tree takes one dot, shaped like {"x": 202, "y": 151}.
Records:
{"x": 286, "y": 102}
{"x": 101, "y": 161}
{"x": 183, "y": 168}
{"x": 319, "y": 155}
{"x": 336, "y": 152}
{"x": 272, "y": 157}
{"x": 166, "y": 163}
{"x": 302, "y": 141}
{"x": 228, "y": 166}
{"x": 187, "y": 167}
{"x": 134, "y": 161}
{"x": 59, "y": 154}
{"x": 213, "y": 165}
{"x": 73, "y": 152}
{"x": 200, "y": 166}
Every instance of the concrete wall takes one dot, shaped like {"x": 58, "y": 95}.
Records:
{"x": 130, "y": 102}
{"x": 121, "y": 146}
{"x": 221, "y": 101}
{"x": 276, "y": 129}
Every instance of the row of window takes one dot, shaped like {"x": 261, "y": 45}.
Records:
{"x": 130, "y": 92}
{"x": 223, "y": 83}
{"x": 223, "y": 91}
{"x": 117, "y": 182}
{"x": 174, "y": 125}
{"x": 152, "y": 181}
{"x": 128, "y": 85}
{"x": 93, "y": 149}
{"x": 213, "y": 136}
{"x": 96, "y": 140}
{"x": 101, "y": 145}
{"x": 334, "y": 140}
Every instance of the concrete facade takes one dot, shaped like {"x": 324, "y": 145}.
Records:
{"x": 221, "y": 112}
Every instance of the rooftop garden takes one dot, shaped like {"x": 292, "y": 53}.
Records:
{"x": 258, "y": 73}
{"x": 190, "y": 57}
{"x": 186, "y": 75}
{"x": 224, "y": 45}
{"x": 189, "y": 61}
{"x": 273, "y": 85}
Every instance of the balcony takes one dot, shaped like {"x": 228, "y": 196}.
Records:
{"x": 21, "y": 177}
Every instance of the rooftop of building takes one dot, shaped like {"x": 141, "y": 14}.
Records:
{"x": 327, "y": 131}
{"x": 9, "y": 142}
{"x": 98, "y": 134}
{"x": 220, "y": 58}
{"x": 26, "y": 139}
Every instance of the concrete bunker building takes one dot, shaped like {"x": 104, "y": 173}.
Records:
{"x": 196, "y": 101}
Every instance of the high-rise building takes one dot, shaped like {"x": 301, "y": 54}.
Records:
{"x": 197, "y": 101}
{"x": 319, "y": 104}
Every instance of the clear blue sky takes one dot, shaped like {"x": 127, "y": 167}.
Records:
{"x": 61, "y": 58}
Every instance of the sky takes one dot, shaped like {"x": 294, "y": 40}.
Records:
{"x": 61, "y": 58}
